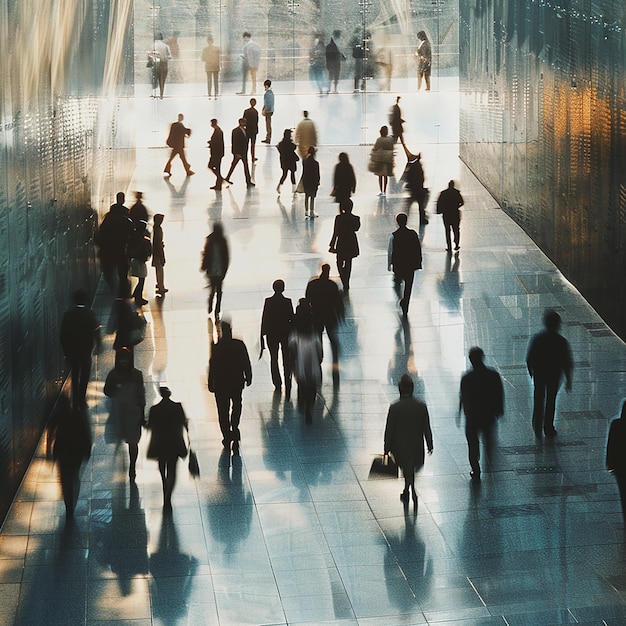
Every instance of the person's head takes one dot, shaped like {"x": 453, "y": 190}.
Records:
{"x": 227, "y": 330}
{"x": 165, "y": 392}
{"x": 476, "y": 356}
{"x": 552, "y": 320}
{"x": 402, "y": 219}
{"x": 214, "y": 122}
{"x": 325, "y": 273}
{"x": 397, "y": 99}
{"x": 80, "y": 297}
{"x": 421, "y": 35}
{"x": 451, "y": 185}
{"x": 247, "y": 36}
{"x": 158, "y": 219}
{"x": 305, "y": 113}
{"x": 209, "y": 40}
{"x": 138, "y": 195}
{"x": 267, "y": 83}
{"x": 311, "y": 151}
{"x": 120, "y": 197}
{"x": 384, "y": 131}
{"x": 346, "y": 205}
{"x": 278, "y": 285}
{"x": 159, "y": 37}
{"x": 242, "y": 122}
{"x": 343, "y": 157}
{"x": 287, "y": 134}
{"x": 336, "y": 34}
{"x": 405, "y": 385}
{"x": 252, "y": 102}
{"x": 123, "y": 358}
{"x": 218, "y": 229}
{"x": 181, "y": 117}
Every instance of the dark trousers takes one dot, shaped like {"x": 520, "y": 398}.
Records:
{"x": 161, "y": 74}
{"x": 334, "y": 68}
{"x": 268, "y": 127}
{"x": 544, "y": 405}
{"x": 69, "y": 469}
{"x": 181, "y": 153}
{"x": 246, "y": 169}
{"x": 473, "y": 428}
{"x": 331, "y": 331}
{"x": 620, "y": 476}
{"x": 115, "y": 272}
{"x": 344, "y": 267}
{"x": 406, "y": 277}
{"x": 453, "y": 226}
{"x": 212, "y": 77}
{"x": 229, "y": 418}
{"x": 80, "y": 368}
{"x": 216, "y": 169}
{"x": 276, "y": 344}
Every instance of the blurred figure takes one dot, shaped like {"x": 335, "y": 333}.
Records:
{"x": 396, "y": 122}
{"x": 250, "y": 61}
{"x": 408, "y": 426}
{"x": 162, "y": 56}
{"x": 381, "y": 160}
{"x": 616, "y": 456}
{"x": 229, "y": 372}
{"x": 288, "y": 159}
{"x": 127, "y": 322}
{"x": 276, "y": 324}
{"x": 176, "y": 141}
{"x": 79, "y": 335}
{"x": 239, "y": 148}
{"x": 549, "y": 358}
{"x": 424, "y": 60}
{"x": 344, "y": 242}
{"x": 211, "y": 60}
{"x": 138, "y": 212}
{"x": 359, "y": 54}
{"x": 215, "y": 261}
{"x": 344, "y": 180}
{"x": 72, "y": 448}
{"x": 482, "y": 399}
{"x": 158, "y": 254}
{"x": 306, "y": 135}
{"x": 268, "y": 109}
{"x": 384, "y": 60}
{"x": 317, "y": 63}
{"x": 310, "y": 182}
{"x": 448, "y": 205}
{"x": 124, "y": 385}
{"x": 251, "y": 115}
{"x": 139, "y": 251}
{"x": 334, "y": 57}
{"x": 305, "y": 347}
{"x": 216, "y": 149}
{"x": 404, "y": 256}
{"x": 414, "y": 178}
{"x": 167, "y": 423}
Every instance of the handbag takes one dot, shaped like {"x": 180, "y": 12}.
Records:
{"x": 194, "y": 467}
{"x": 138, "y": 333}
{"x": 384, "y": 466}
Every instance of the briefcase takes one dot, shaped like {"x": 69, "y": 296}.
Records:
{"x": 384, "y": 466}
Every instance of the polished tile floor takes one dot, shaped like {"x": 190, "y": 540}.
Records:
{"x": 293, "y": 531}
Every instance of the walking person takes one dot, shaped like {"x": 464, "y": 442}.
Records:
{"x": 310, "y": 182}
{"x": 344, "y": 180}
{"x": 288, "y": 159}
{"x": 268, "y": 109}
{"x": 138, "y": 212}
{"x": 72, "y": 448}
{"x": 404, "y": 256}
{"x": 79, "y": 336}
{"x": 615, "y": 457}
{"x": 124, "y": 385}
{"x": 396, "y": 122}
{"x": 306, "y": 135}
{"x": 211, "y": 60}
{"x": 250, "y": 61}
{"x": 276, "y": 326}
{"x": 229, "y": 372}
{"x": 344, "y": 242}
{"x": 549, "y": 359}
{"x": 317, "y": 63}
{"x": 424, "y": 60}
{"x": 216, "y": 150}
{"x": 381, "y": 160}
{"x": 414, "y": 177}
{"x": 158, "y": 253}
{"x": 215, "y": 261}
{"x": 139, "y": 251}
{"x": 407, "y": 428}
{"x": 167, "y": 423}
{"x": 334, "y": 58}
{"x": 162, "y": 55}
{"x": 176, "y": 141}
{"x": 239, "y": 148}
{"x": 482, "y": 400}
{"x": 448, "y": 205}
{"x": 251, "y": 115}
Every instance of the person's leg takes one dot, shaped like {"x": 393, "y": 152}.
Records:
{"x": 246, "y": 170}
{"x": 163, "y": 472}
{"x": 231, "y": 169}
{"x": 427, "y": 77}
{"x": 67, "y": 485}
{"x": 385, "y": 180}
{"x": 284, "y": 346}
{"x": 408, "y": 287}
{"x": 380, "y": 184}
{"x": 170, "y": 481}
{"x": 253, "y": 79}
{"x": 539, "y": 396}
{"x": 552, "y": 388}
{"x": 283, "y": 177}
{"x": 620, "y": 476}
{"x": 447, "y": 226}
{"x": 208, "y": 83}
{"x": 160, "y": 278}
{"x": 253, "y": 148}
{"x": 456, "y": 229}
{"x": 138, "y": 295}
{"x": 307, "y": 201}
{"x": 83, "y": 375}
{"x": 489, "y": 430}
{"x": 347, "y": 272}
{"x": 218, "y": 293}
{"x": 272, "y": 346}
{"x": 235, "y": 418}
{"x": 408, "y": 473}
{"x": 123, "y": 284}
{"x": 222, "y": 400}
{"x": 244, "y": 76}
{"x": 168, "y": 166}
{"x": 212, "y": 290}
{"x": 397, "y": 283}
{"x": 216, "y": 80}
{"x": 473, "y": 447}
{"x": 420, "y": 74}
{"x": 331, "y": 331}
{"x": 183, "y": 158}
{"x": 133, "y": 452}
{"x": 268, "y": 127}
{"x": 293, "y": 179}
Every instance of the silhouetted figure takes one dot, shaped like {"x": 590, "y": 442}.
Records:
{"x": 251, "y": 115}
{"x": 216, "y": 149}
{"x": 215, "y": 260}
{"x": 305, "y": 348}
{"x": 326, "y": 304}
{"x": 72, "y": 447}
{"x": 310, "y": 182}
{"x": 124, "y": 385}
{"x": 211, "y": 60}
{"x": 79, "y": 336}
{"x": 449, "y": 204}
{"x": 138, "y": 212}
{"x": 162, "y": 56}
{"x": 229, "y": 372}
{"x": 616, "y": 455}
{"x": 239, "y": 148}
{"x": 381, "y": 160}
{"x": 250, "y": 61}
{"x": 276, "y": 326}
{"x": 334, "y": 57}
{"x": 126, "y": 320}
{"x": 112, "y": 238}
{"x": 167, "y": 423}
{"x": 288, "y": 159}
{"x": 404, "y": 256}
{"x": 408, "y": 426}
{"x": 176, "y": 141}
{"x": 317, "y": 63}
{"x": 158, "y": 254}
{"x": 424, "y": 60}
{"x": 414, "y": 178}
{"x": 482, "y": 399}
{"x": 139, "y": 251}
{"x": 548, "y": 359}
{"x": 396, "y": 122}
{"x": 344, "y": 242}
{"x": 359, "y": 54}
{"x": 344, "y": 180}
{"x": 306, "y": 135}
{"x": 268, "y": 109}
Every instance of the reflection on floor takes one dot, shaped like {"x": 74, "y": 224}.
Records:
{"x": 293, "y": 531}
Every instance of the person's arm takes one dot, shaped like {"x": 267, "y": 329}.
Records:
{"x": 569, "y": 367}
{"x": 428, "y": 433}
{"x": 247, "y": 370}
{"x": 333, "y": 239}
{"x": 389, "y": 427}
{"x": 389, "y": 252}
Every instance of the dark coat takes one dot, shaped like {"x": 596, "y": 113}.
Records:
{"x": 167, "y": 422}
{"x": 251, "y": 116}
{"x": 310, "y": 176}
{"x": 114, "y": 232}
{"x": 72, "y": 440}
{"x": 216, "y": 145}
{"x": 277, "y": 318}
{"x": 344, "y": 181}
{"x": 482, "y": 395}
{"x": 79, "y": 332}
{"x": 344, "y": 241}
{"x": 288, "y": 156}
{"x": 158, "y": 247}
{"x": 325, "y": 300}
{"x": 406, "y": 250}
{"x": 549, "y": 357}
{"x": 239, "y": 142}
{"x": 408, "y": 426}
{"x": 229, "y": 366}
{"x": 616, "y": 447}
{"x": 176, "y": 138}
{"x": 449, "y": 202}
{"x": 215, "y": 256}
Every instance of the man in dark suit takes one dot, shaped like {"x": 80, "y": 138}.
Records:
{"x": 396, "y": 122}
{"x": 216, "y": 147}
{"x": 251, "y": 115}
{"x": 549, "y": 358}
{"x": 80, "y": 334}
{"x": 239, "y": 148}
{"x": 229, "y": 371}
{"x": 176, "y": 141}
{"x": 276, "y": 323}
{"x": 449, "y": 204}
{"x": 404, "y": 256}
{"x": 482, "y": 399}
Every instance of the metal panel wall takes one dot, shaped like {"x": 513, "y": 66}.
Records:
{"x": 543, "y": 100}
{"x": 52, "y": 59}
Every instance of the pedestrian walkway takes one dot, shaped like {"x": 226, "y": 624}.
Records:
{"x": 293, "y": 531}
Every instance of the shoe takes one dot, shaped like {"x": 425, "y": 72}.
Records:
{"x": 265, "y": 140}
{"x": 215, "y": 187}
{"x": 166, "y": 173}
{"x": 404, "y": 496}
{"x": 457, "y": 247}
{"x": 255, "y": 160}
{"x": 414, "y": 498}
{"x": 140, "y": 302}
{"x": 163, "y": 290}
{"x": 551, "y": 433}
{"x": 190, "y": 173}
{"x": 475, "y": 475}
{"x": 235, "y": 447}
{"x": 230, "y": 182}
{"x": 278, "y": 189}
{"x": 448, "y": 250}
{"x": 313, "y": 215}
{"x": 240, "y": 93}
{"x": 132, "y": 474}
{"x": 424, "y": 220}
{"x": 250, "y": 185}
